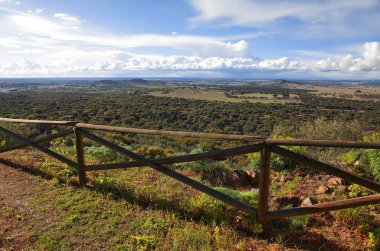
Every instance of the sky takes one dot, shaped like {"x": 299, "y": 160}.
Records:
{"x": 294, "y": 39}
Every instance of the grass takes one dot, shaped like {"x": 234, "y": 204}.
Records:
{"x": 140, "y": 209}
{"x": 128, "y": 210}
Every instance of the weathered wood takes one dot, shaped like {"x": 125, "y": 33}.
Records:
{"x": 326, "y": 168}
{"x": 323, "y": 143}
{"x": 184, "y": 179}
{"x": 170, "y": 133}
{"x": 180, "y": 159}
{"x": 264, "y": 182}
{"x": 80, "y": 156}
{"x": 44, "y": 122}
{"x": 38, "y": 141}
{"x": 324, "y": 207}
{"x": 41, "y": 148}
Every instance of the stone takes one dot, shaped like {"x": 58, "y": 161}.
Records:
{"x": 307, "y": 202}
{"x": 357, "y": 163}
{"x": 254, "y": 190}
{"x": 335, "y": 181}
{"x": 322, "y": 189}
{"x": 253, "y": 177}
{"x": 233, "y": 179}
{"x": 284, "y": 178}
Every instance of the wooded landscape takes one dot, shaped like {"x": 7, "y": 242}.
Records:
{"x": 181, "y": 215}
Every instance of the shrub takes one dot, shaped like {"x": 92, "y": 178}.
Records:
{"x": 215, "y": 210}
{"x": 371, "y": 157}
{"x": 199, "y": 166}
{"x": 59, "y": 145}
{"x": 278, "y": 162}
{"x": 350, "y": 157}
{"x": 322, "y": 128}
{"x": 374, "y": 239}
{"x": 101, "y": 153}
{"x": 336, "y": 129}
{"x": 3, "y": 143}
{"x": 105, "y": 184}
{"x": 254, "y": 161}
{"x": 355, "y": 190}
{"x": 247, "y": 197}
{"x": 154, "y": 152}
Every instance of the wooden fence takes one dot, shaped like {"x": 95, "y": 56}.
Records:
{"x": 256, "y": 144}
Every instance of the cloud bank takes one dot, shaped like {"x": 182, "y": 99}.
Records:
{"x": 37, "y": 44}
{"x": 118, "y": 61}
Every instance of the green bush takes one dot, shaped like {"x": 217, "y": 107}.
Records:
{"x": 374, "y": 239}
{"x": 3, "y": 143}
{"x": 278, "y": 162}
{"x": 199, "y": 166}
{"x": 322, "y": 129}
{"x": 101, "y": 153}
{"x": 215, "y": 210}
{"x": 254, "y": 161}
{"x": 371, "y": 157}
{"x": 247, "y": 197}
{"x": 350, "y": 157}
{"x": 105, "y": 184}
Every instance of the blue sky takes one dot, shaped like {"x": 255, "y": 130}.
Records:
{"x": 190, "y": 38}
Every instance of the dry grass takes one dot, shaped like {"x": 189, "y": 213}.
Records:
{"x": 339, "y": 92}
{"x": 215, "y": 95}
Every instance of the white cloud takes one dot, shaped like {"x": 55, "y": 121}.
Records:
{"x": 114, "y": 61}
{"x": 79, "y": 62}
{"x": 368, "y": 62}
{"x": 50, "y": 32}
{"x": 32, "y": 45}
{"x": 67, "y": 17}
{"x": 36, "y": 11}
{"x": 256, "y": 12}
{"x": 10, "y": 2}
{"x": 322, "y": 17}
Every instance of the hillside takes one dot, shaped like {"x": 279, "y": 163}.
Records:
{"x": 41, "y": 212}
{"x": 45, "y": 208}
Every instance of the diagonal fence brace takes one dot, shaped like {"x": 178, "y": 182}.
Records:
{"x": 40, "y": 148}
{"x": 182, "y": 178}
{"x": 38, "y": 141}
{"x": 320, "y": 166}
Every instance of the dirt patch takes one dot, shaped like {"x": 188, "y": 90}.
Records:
{"x": 15, "y": 195}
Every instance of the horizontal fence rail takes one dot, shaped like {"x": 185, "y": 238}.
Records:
{"x": 41, "y": 122}
{"x": 258, "y": 144}
{"x": 323, "y": 143}
{"x": 181, "y": 159}
{"x": 170, "y": 133}
{"x": 324, "y": 207}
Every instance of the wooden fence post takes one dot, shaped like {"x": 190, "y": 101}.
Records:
{"x": 80, "y": 155}
{"x": 264, "y": 181}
